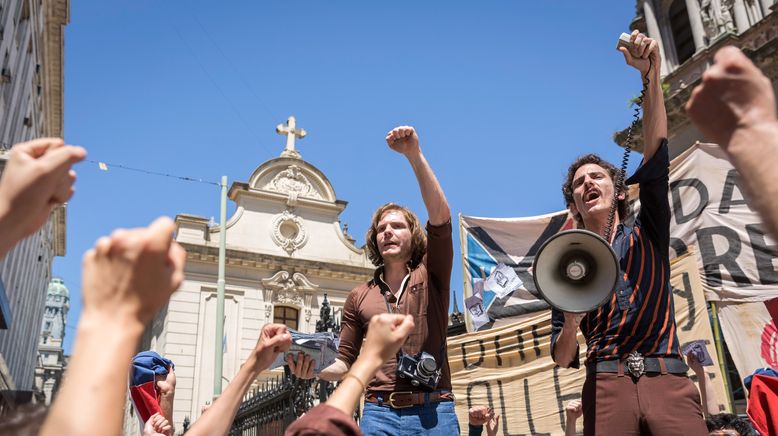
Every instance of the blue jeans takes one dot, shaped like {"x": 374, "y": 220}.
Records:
{"x": 429, "y": 419}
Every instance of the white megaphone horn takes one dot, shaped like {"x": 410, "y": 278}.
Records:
{"x": 576, "y": 271}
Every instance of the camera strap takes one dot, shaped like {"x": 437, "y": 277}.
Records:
{"x": 392, "y": 312}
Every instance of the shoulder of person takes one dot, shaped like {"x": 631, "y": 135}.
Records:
{"x": 359, "y": 291}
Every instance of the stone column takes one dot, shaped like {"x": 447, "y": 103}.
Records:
{"x": 766, "y": 4}
{"x": 741, "y": 17}
{"x": 653, "y": 32}
{"x": 695, "y": 20}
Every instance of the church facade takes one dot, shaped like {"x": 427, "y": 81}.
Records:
{"x": 285, "y": 249}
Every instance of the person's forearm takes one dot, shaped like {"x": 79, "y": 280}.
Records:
{"x": 708, "y": 396}
{"x": 570, "y": 427}
{"x": 348, "y": 392}
{"x": 654, "y": 114}
{"x": 434, "y": 199}
{"x": 97, "y": 372}
{"x": 218, "y": 418}
{"x": 166, "y": 405}
{"x": 566, "y": 344}
{"x": 753, "y": 151}
{"x": 10, "y": 235}
{"x": 334, "y": 372}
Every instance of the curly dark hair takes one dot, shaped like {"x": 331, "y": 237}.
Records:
{"x": 567, "y": 187}
{"x": 418, "y": 237}
{"x": 726, "y": 421}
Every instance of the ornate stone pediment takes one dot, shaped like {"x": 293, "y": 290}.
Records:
{"x": 292, "y": 181}
{"x": 287, "y": 288}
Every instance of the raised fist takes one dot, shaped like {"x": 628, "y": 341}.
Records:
{"x": 643, "y": 54}
{"x": 403, "y": 139}
{"x": 733, "y": 95}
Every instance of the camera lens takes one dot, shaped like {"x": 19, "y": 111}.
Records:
{"x": 427, "y": 366}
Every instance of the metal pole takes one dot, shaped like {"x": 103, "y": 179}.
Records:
{"x": 219, "y": 340}
{"x": 720, "y": 354}
{"x": 463, "y": 247}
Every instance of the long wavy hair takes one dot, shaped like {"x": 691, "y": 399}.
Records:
{"x": 567, "y": 188}
{"x": 418, "y": 237}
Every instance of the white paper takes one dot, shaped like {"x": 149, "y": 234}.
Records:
{"x": 477, "y": 311}
{"x": 503, "y": 281}
{"x": 322, "y": 347}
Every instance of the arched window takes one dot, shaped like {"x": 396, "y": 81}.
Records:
{"x": 286, "y": 315}
{"x": 682, "y": 31}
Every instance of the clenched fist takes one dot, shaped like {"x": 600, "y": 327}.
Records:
{"x": 643, "y": 55}
{"x": 386, "y": 334}
{"x": 403, "y": 139}
{"x": 37, "y": 178}
{"x": 132, "y": 273}
{"x": 734, "y": 94}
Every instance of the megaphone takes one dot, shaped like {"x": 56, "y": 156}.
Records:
{"x": 576, "y": 271}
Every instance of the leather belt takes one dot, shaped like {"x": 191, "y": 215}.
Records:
{"x": 637, "y": 365}
{"x": 401, "y": 400}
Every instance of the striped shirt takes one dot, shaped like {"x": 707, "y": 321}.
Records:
{"x": 640, "y": 316}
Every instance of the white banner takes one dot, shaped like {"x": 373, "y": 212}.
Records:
{"x": 737, "y": 261}
{"x": 750, "y": 334}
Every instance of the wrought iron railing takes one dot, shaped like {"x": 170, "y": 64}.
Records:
{"x": 268, "y": 410}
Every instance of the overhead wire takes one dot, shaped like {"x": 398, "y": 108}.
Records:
{"x": 212, "y": 40}
{"x": 102, "y": 165}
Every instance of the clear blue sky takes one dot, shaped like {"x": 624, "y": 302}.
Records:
{"x": 504, "y": 95}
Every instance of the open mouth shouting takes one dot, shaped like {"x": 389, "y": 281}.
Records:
{"x": 591, "y": 197}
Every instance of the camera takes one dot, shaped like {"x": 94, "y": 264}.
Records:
{"x": 421, "y": 369}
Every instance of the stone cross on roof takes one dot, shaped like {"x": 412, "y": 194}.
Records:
{"x": 291, "y": 132}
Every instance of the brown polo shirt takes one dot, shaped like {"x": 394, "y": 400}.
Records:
{"x": 324, "y": 420}
{"x": 425, "y": 295}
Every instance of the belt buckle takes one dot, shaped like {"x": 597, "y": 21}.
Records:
{"x": 635, "y": 364}
{"x": 391, "y": 400}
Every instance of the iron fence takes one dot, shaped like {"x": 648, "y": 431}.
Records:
{"x": 270, "y": 409}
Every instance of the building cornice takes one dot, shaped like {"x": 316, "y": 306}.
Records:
{"x": 243, "y": 189}
{"x": 246, "y": 259}
{"x": 57, "y": 16}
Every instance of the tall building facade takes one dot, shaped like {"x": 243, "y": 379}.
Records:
{"x": 31, "y": 105}
{"x": 689, "y": 34}
{"x": 286, "y": 249}
{"x": 51, "y": 356}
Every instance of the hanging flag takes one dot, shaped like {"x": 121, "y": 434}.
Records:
{"x": 143, "y": 391}
{"x": 505, "y": 249}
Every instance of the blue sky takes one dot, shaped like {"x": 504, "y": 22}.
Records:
{"x": 504, "y": 94}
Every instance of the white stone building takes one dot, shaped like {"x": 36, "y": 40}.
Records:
{"x": 690, "y": 32}
{"x": 31, "y": 105}
{"x": 51, "y": 355}
{"x": 285, "y": 250}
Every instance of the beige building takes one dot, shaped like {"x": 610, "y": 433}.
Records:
{"x": 286, "y": 248}
{"x": 31, "y": 105}
{"x": 690, "y": 32}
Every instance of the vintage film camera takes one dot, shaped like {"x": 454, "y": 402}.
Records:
{"x": 421, "y": 369}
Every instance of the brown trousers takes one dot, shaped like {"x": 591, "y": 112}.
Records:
{"x": 655, "y": 404}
